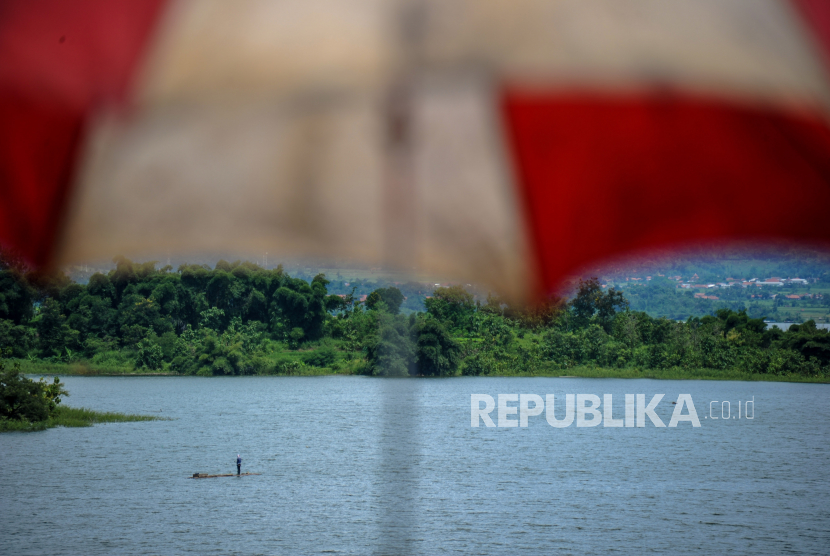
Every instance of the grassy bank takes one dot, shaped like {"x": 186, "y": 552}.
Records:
{"x": 64, "y": 416}
{"x": 676, "y": 373}
{"x": 83, "y": 368}
{"x": 41, "y": 368}
{"x": 282, "y": 362}
{"x": 358, "y": 367}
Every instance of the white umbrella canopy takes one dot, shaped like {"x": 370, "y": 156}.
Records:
{"x": 503, "y": 143}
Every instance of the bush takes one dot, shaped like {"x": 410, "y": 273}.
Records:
{"x": 717, "y": 354}
{"x": 260, "y": 366}
{"x": 478, "y": 365}
{"x": 561, "y": 348}
{"x": 23, "y": 399}
{"x": 290, "y": 366}
{"x": 784, "y": 362}
{"x": 94, "y": 346}
{"x": 185, "y": 365}
{"x": 149, "y": 355}
{"x": 324, "y": 356}
{"x": 212, "y": 318}
{"x": 295, "y": 337}
{"x": 18, "y": 339}
{"x": 615, "y": 354}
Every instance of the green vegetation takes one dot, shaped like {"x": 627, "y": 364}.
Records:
{"x": 674, "y": 373}
{"x": 72, "y": 417}
{"x": 23, "y": 399}
{"x": 652, "y": 283}
{"x": 788, "y": 303}
{"x": 241, "y": 319}
{"x": 27, "y": 405}
{"x": 716, "y": 263}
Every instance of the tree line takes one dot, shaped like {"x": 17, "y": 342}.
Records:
{"x": 238, "y": 318}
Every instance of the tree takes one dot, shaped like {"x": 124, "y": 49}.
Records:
{"x": 389, "y": 351}
{"x": 92, "y": 316}
{"x": 223, "y": 291}
{"x": 627, "y": 329}
{"x": 123, "y": 275}
{"x": 536, "y": 316}
{"x": 212, "y": 318}
{"x": 100, "y": 285}
{"x": 436, "y": 353}
{"x": 16, "y": 296}
{"x": 295, "y": 337}
{"x": 297, "y": 303}
{"x": 22, "y": 398}
{"x": 391, "y": 296}
{"x": 18, "y": 339}
{"x": 256, "y": 306}
{"x": 453, "y": 305}
{"x": 54, "y": 335}
{"x": 809, "y": 340}
{"x": 149, "y": 354}
{"x": 591, "y": 303}
{"x": 137, "y": 310}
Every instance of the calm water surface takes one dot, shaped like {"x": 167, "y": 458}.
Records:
{"x": 357, "y": 465}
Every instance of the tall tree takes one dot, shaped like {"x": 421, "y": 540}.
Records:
{"x": 592, "y": 304}
{"x": 436, "y": 353}
{"x": 391, "y": 297}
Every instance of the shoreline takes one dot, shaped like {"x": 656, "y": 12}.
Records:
{"x": 66, "y": 416}
{"x": 574, "y": 372}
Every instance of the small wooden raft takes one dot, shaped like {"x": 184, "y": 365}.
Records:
{"x": 206, "y": 476}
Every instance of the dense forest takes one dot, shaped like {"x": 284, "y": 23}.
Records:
{"x": 240, "y": 319}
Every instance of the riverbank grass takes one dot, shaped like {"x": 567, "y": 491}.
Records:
{"x": 357, "y": 366}
{"x": 673, "y": 373}
{"x": 64, "y": 416}
{"x": 84, "y": 368}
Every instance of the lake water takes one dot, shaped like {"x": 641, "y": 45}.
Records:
{"x": 357, "y": 465}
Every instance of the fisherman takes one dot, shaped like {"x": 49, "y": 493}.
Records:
{"x": 238, "y": 464}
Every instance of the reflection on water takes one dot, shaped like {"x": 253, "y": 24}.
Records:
{"x": 399, "y": 470}
{"x": 355, "y": 465}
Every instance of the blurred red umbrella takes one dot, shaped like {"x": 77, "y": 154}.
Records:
{"x": 513, "y": 144}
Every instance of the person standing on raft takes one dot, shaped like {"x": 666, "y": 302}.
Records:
{"x": 238, "y": 464}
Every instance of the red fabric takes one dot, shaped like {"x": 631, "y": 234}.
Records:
{"x": 604, "y": 176}
{"x": 58, "y": 60}
{"x": 817, "y": 15}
